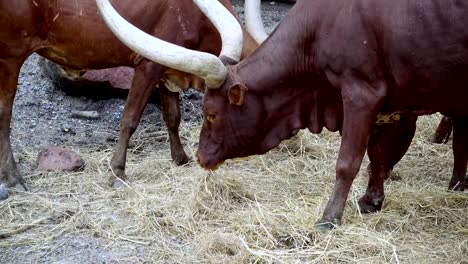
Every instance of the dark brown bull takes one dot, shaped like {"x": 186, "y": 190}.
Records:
{"x": 73, "y": 34}
{"x": 345, "y": 66}
{"x": 348, "y": 66}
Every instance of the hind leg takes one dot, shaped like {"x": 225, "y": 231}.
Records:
{"x": 146, "y": 75}
{"x": 9, "y": 175}
{"x": 171, "y": 114}
{"x": 443, "y": 131}
{"x": 388, "y": 143}
{"x": 460, "y": 154}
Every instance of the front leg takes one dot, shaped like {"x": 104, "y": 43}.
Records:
{"x": 146, "y": 75}
{"x": 9, "y": 175}
{"x": 170, "y": 103}
{"x": 361, "y": 102}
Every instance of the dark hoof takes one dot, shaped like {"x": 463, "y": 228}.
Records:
{"x": 3, "y": 192}
{"x": 393, "y": 176}
{"x": 437, "y": 139}
{"x": 117, "y": 172}
{"x": 370, "y": 205}
{"x": 181, "y": 160}
{"x": 457, "y": 186}
{"x": 326, "y": 225}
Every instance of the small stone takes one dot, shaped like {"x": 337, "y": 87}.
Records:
{"x": 86, "y": 114}
{"x": 59, "y": 159}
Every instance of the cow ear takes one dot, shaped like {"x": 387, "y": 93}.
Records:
{"x": 236, "y": 94}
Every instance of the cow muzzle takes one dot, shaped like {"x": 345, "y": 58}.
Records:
{"x": 206, "y": 163}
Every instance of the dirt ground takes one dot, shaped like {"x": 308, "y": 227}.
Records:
{"x": 260, "y": 210}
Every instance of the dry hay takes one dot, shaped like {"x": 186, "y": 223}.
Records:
{"x": 259, "y": 210}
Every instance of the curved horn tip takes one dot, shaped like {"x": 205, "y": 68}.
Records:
{"x": 253, "y": 20}
{"x": 226, "y": 24}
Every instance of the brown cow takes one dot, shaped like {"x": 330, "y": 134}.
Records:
{"x": 73, "y": 34}
{"x": 348, "y": 66}
{"x": 340, "y": 64}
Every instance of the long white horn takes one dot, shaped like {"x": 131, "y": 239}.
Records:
{"x": 253, "y": 20}
{"x": 227, "y": 26}
{"x": 202, "y": 64}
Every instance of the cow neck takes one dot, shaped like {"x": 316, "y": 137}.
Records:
{"x": 276, "y": 74}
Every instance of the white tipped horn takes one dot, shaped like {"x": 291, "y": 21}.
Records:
{"x": 202, "y": 64}
{"x": 227, "y": 26}
{"x": 253, "y": 20}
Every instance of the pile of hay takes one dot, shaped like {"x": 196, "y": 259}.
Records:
{"x": 258, "y": 210}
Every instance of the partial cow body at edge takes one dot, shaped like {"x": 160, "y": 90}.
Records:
{"x": 338, "y": 65}
{"x": 73, "y": 34}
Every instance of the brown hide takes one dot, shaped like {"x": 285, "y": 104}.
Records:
{"x": 338, "y": 64}
{"x": 73, "y": 34}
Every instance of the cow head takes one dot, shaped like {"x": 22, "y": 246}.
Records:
{"x": 232, "y": 122}
{"x": 240, "y": 121}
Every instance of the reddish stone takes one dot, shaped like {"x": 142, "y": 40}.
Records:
{"x": 120, "y": 77}
{"x": 59, "y": 159}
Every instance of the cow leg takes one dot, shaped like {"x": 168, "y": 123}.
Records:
{"x": 388, "y": 143}
{"x": 146, "y": 75}
{"x": 460, "y": 154}
{"x": 9, "y": 175}
{"x": 171, "y": 114}
{"x": 360, "y": 106}
{"x": 443, "y": 131}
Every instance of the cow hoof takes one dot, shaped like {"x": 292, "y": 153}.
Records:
{"x": 393, "y": 176}
{"x": 3, "y": 192}
{"x": 370, "y": 205}
{"x": 117, "y": 183}
{"x": 181, "y": 160}
{"x": 459, "y": 186}
{"x": 326, "y": 225}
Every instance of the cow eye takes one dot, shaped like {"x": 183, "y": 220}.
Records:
{"x": 211, "y": 117}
